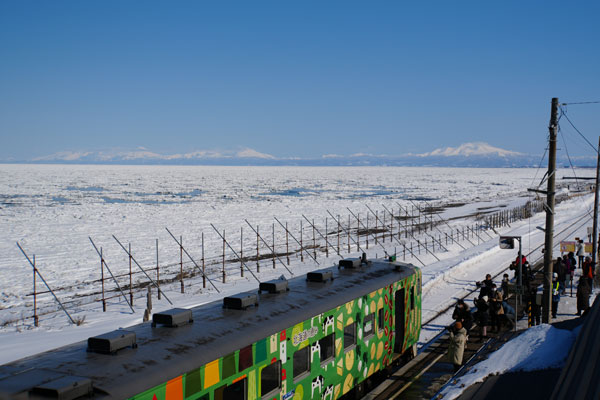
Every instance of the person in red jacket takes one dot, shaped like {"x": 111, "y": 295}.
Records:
{"x": 588, "y": 270}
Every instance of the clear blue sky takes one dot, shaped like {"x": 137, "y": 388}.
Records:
{"x": 293, "y": 78}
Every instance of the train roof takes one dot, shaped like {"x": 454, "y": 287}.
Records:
{"x": 164, "y": 353}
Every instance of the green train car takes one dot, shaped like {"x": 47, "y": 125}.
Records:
{"x": 320, "y": 336}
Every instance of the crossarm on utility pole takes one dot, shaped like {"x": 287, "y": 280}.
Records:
{"x": 111, "y": 274}
{"x": 142, "y": 269}
{"x": 36, "y": 270}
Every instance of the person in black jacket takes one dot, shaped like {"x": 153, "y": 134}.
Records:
{"x": 583, "y": 296}
{"x": 482, "y": 315}
{"x": 462, "y": 314}
{"x": 486, "y": 286}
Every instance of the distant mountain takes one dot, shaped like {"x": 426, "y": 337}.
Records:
{"x": 142, "y": 155}
{"x": 473, "y": 149}
{"x": 477, "y": 154}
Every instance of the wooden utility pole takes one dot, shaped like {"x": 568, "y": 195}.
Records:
{"x": 548, "y": 267}
{"x": 595, "y": 226}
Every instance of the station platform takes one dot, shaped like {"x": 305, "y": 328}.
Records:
{"x": 577, "y": 379}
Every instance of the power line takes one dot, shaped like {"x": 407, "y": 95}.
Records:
{"x": 563, "y": 113}
{"x": 581, "y": 102}
{"x": 568, "y": 156}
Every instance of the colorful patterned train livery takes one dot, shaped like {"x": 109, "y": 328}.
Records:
{"x": 320, "y": 336}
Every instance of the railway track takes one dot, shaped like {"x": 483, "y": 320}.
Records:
{"x": 423, "y": 376}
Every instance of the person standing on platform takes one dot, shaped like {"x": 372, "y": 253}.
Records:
{"x": 462, "y": 314}
{"x": 456, "y": 348}
{"x": 588, "y": 271}
{"x": 573, "y": 260}
{"x": 504, "y": 286}
{"x": 482, "y": 315}
{"x": 580, "y": 253}
{"x": 583, "y": 296}
{"x": 561, "y": 271}
{"x": 555, "y": 295}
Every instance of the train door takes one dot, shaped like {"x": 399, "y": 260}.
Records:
{"x": 399, "y": 314}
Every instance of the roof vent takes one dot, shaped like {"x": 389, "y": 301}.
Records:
{"x": 240, "y": 301}
{"x": 350, "y": 263}
{"x": 274, "y": 286}
{"x": 65, "y": 388}
{"x": 173, "y": 318}
{"x": 111, "y": 342}
{"x": 322, "y": 275}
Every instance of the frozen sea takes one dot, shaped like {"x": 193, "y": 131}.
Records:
{"x": 51, "y": 210}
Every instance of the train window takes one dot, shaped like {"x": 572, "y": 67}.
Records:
{"x": 270, "y": 378}
{"x": 368, "y": 325}
{"x": 219, "y": 392}
{"x": 228, "y": 366}
{"x": 301, "y": 362}
{"x": 235, "y": 391}
{"x": 380, "y": 319}
{"x": 412, "y": 298}
{"x": 327, "y": 345}
{"x": 193, "y": 383}
{"x": 350, "y": 335}
{"x": 245, "y": 360}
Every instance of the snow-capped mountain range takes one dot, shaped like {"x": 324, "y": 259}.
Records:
{"x": 476, "y": 154}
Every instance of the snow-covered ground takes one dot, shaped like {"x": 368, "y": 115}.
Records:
{"x": 538, "y": 348}
{"x": 51, "y": 211}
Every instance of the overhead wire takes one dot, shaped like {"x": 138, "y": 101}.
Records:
{"x": 563, "y": 113}
{"x": 567, "y": 152}
{"x": 580, "y": 102}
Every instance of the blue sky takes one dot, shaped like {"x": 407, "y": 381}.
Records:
{"x": 294, "y": 78}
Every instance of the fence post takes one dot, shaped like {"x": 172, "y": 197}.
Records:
{"x": 301, "y": 243}
{"x": 273, "y": 234}
{"x": 383, "y": 226}
{"x": 314, "y": 241}
{"x": 242, "y": 251}
{"x": 223, "y": 255}
{"x": 349, "y": 233}
{"x": 257, "y": 251}
{"x": 367, "y": 237}
{"x": 130, "y": 280}
{"x": 181, "y": 263}
{"x": 357, "y": 231}
{"x": 376, "y": 221}
{"x": 287, "y": 244}
{"x": 157, "y": 270}
{"x": 101, "y": 280}
{"x": 406, "y": 224}
{"x": 326, "y": 244}
{"x": 35, "y": 316}
{"x": 338, "y": 233}
{"x": 404, "y": 252}
{"x": 203, "y": 265}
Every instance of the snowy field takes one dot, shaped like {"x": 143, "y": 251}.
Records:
{"x": 52, "y": 209}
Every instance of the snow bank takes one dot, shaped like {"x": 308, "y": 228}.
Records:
{"x": 540, "y": 347}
